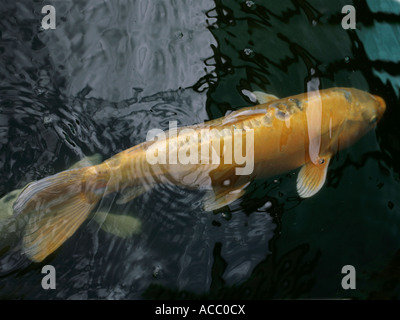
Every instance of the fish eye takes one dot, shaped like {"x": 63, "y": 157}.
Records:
{"x": 373, "y": 119}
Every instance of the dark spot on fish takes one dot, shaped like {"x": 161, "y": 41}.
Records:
{"x": 283, "y": 106}
{"x": 297, "y": 103}
{"x": 346, "y": 94}
{"x": 267, "y": 121}
{"x": 276, "y": 105}
{"x": 285, "y": 110}
{"x": 282, "y": 115}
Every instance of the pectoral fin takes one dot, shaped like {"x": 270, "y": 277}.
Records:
{"x": 263, "y": 97}
{"x": 312, "y": 177}
{"x": 221, "y": 197}
{"x": 119, "y": 225}
{"x": 131, "y": 193}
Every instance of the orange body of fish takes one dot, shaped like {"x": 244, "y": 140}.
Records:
{"x": 301, "y": 131}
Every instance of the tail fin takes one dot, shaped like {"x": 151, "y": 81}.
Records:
{"x": 57, "y": 205}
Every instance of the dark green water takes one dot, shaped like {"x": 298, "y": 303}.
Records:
{"x": 113, "y": 70}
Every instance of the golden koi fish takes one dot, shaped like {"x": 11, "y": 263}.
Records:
{"x": 299, "y": 131}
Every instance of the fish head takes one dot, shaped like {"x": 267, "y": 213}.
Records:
{"x": 380, "y": 108}
{"x": 364, "y": 110}
{"x": 367, "y": 109}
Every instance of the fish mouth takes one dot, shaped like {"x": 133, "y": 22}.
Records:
{"x": 381, "y": 106}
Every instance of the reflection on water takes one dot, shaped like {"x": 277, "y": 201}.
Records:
{"x": 112, "y": 71}
{"x": 156, "y": 46}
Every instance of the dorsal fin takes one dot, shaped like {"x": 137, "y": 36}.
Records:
{"x": 263, "y": 97}
{"x": 128, "y": 194}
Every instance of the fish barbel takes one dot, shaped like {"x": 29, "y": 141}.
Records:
{"x": 301, "y": 131}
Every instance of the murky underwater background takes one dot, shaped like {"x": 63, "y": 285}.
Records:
{"x": 113, "y": 70}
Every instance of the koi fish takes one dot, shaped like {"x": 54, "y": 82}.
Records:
{"x": 302, "y": 131}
